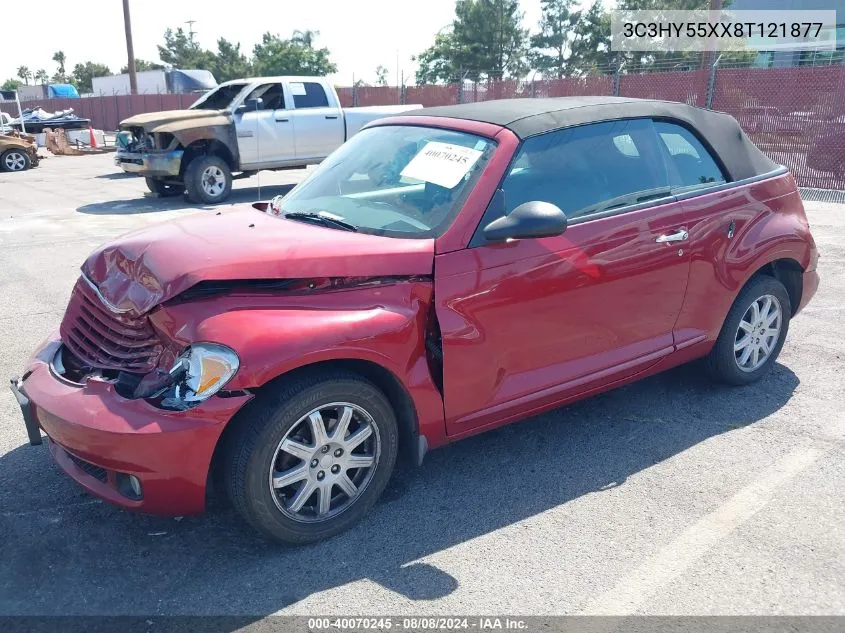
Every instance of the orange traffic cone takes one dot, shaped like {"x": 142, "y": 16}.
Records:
{"x": 92, "y": 138}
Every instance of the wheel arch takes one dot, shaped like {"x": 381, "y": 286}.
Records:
{"x": 208, "y": 147}
{"x": 787, "y": 271}
{"x": 412, "y": 444}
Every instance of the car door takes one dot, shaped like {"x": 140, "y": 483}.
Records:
{"x": 317, "y": 123}
{"x": 266, "y": 135}
{"x": 714, "y": 215}
{"x": 529, "y": 323}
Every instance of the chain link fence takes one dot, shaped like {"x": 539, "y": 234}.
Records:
{"x": 795, "y": 114}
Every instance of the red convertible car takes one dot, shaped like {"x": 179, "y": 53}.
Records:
{"x": 444, "y": 272}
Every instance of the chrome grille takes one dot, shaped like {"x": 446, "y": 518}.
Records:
{"x": 103, "y": 339}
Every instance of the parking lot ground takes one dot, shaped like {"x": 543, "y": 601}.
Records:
{"x": 669, "y": 496}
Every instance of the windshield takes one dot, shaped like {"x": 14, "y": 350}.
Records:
{"x": 219, "y": 98}
{"x": 395, "y": 180}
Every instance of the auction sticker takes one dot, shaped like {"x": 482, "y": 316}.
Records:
{"x": 442, "y": 163}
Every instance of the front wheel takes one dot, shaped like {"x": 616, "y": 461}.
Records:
{"x": 753, "y": 333}
{"x": 15, "y": 160}
{"x": 208, "y": 180}
{"x": 311, "y": 457}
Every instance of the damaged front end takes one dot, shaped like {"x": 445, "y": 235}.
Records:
{"x": 148, "y": 154}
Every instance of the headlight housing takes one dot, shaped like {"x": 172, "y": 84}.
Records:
{"x": 201, "y": 370}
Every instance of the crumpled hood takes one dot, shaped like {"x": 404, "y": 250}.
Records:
{"x": 139, "y": 270}
{"x": 176, "y": 118}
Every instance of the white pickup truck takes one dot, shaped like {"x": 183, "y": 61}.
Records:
{"x": 241, "y": 127}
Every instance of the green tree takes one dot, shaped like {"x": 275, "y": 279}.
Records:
{"x": 486, "y": 40}
{"x": 230, "y": 62}
{"x": 294, "y": 56}
{"x": 60, "y": 59}
{"x": 142, "y": 65}
{"x": 25, "y": 74}
{"x": 11, "y": 84}
{"x": 570, "y": 41}
{"x": 181, "y": 51}
{"x": 41, "y": 76}
{"x": 438, "y": 63}
{"x": 83, "y": 74}
{"x": 381, "y": 75}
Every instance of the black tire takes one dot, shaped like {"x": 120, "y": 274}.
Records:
{"x": 250, "y": 452}
{"x": 194, "y": 179}
{"x": 722, "y": 362}
{"x": 162, "y": 188}
{"x": 15, "y": 160}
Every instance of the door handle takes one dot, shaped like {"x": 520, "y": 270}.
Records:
{"x": 678, "y": 236}
{"x": 331, "y": 116}
{"x": 282, "y": 120}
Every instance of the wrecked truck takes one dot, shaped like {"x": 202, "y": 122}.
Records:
{"x": 239, "y": 128}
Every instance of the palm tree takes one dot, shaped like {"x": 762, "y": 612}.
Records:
{"x": 59, "y": 58}
{"x": 305, "y": 38}
{"x": 25, "y": 74}
{"x": 41, "y": 76}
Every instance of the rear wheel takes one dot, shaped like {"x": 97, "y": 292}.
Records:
{"x": 312, "y": 457}
{"x": 15, "y": 160}
{"x": 208, "y": 180}
{"x": 162, "y": 188}
{"x": 753, "y": 333}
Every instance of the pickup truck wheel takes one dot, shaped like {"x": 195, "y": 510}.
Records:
{"x": 15, "y": 160}
{"x": 753, "y": 333}
{"x": 162, "y": 188}
{"x": 208, "y": 179}
{"x": 309, "y": 458}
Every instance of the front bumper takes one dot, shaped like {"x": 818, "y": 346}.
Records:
{"x": 99, "y": 438}
{"x": 150, "y": 163}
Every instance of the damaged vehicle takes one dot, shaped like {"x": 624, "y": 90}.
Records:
{"x": 240, "y": 127}
{"x": 442, "y": 273}
{"x": 18, "y": 151}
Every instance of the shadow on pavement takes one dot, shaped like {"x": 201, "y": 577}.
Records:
{"x": 153, "y": 204}
{"x": 117, "y": 175}
{"x": 68, "y": 554}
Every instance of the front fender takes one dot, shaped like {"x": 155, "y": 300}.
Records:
{"x": 275, "y": 334}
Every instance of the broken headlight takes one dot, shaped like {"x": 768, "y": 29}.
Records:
{"x": 201, "y": 371}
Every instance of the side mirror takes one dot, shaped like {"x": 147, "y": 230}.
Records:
{"x": 250, "y": 105}
{"x": 530, "y": 219}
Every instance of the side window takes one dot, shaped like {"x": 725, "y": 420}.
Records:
{"x": 690, "y": 164}
{"x": 308, "y": 94}
{"x": 271, "y": 95}
{"x": 589, "y": 169}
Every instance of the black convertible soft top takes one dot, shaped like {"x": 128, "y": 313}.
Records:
{"x": 529, "y": 117}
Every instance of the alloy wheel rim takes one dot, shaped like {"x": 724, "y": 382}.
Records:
{"x": 213, "y": 181}
{"x": 324, "y": 462}
{"x": 758, "y": 333}
{"x": 15, "y": 161}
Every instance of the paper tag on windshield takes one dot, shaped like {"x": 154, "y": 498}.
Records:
{"x": 442, "y": 164}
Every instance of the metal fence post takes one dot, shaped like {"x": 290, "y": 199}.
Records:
{"x": 354, "y": 95}
{"x": 711, "y": 84}
{"x": 533, "y": 88}
{"x": 460, "y": 86}
{"x": 617, "y": 80}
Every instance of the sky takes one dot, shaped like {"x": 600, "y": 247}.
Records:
{"x": 360, "y": 34}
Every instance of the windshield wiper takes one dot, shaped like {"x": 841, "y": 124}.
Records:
{"x": 321, "y": 218}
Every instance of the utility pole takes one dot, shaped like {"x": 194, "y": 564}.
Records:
{"x": 191, "y": 31}
{"x": 130, "y": 50}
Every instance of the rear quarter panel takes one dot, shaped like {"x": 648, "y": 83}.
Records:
{"x": 274, "y": 335}
{"x": 769, "y": 224}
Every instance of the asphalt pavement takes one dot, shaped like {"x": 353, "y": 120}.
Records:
{"x": 669, "y": 496}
